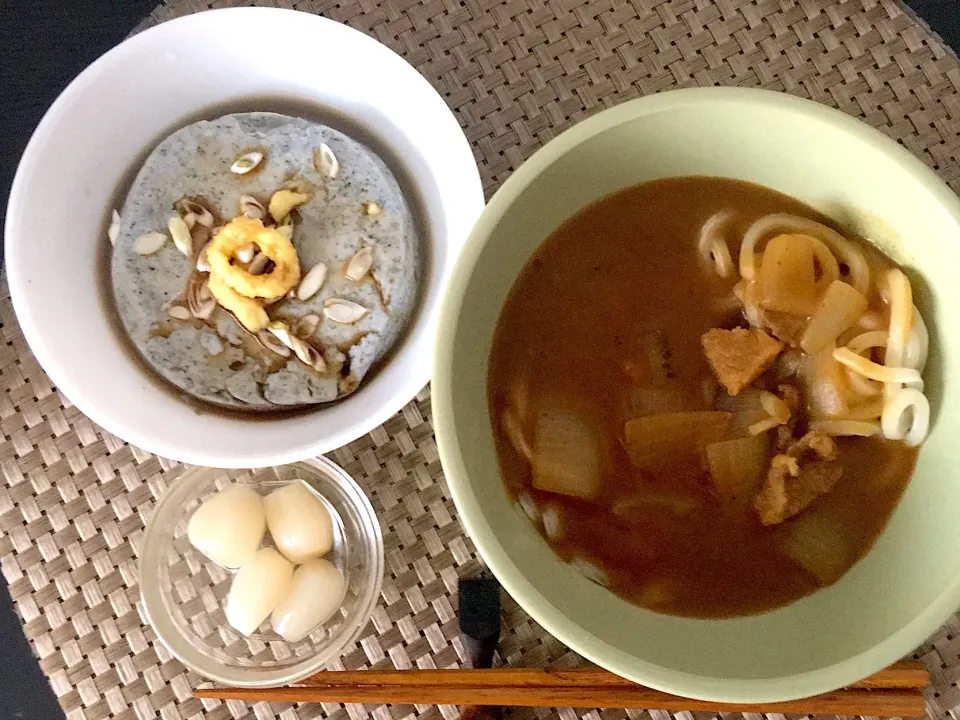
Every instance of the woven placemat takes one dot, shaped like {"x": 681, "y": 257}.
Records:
{"x": 516, "y": 72}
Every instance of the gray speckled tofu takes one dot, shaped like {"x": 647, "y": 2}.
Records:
{"x": 215, "y": 360}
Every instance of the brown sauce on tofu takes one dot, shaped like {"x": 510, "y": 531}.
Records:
{"x": 692, "y": 485}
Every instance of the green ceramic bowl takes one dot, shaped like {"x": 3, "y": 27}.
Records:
{"x": 910, "y": 582}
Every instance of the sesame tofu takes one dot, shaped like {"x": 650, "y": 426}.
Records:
{"x": 739, "y": 356}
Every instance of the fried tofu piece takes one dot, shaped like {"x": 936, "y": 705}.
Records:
{"x": 795, "y": 480}
{"x": 739, "y": 356}
{"x": 819, "y": 443}
{"x": 784, "y": 326}
{"x": 821, "y": 542}
{"x": 737, "y": 467}
{"x": 790, "y": 489}
{"x": 783, "y": 438}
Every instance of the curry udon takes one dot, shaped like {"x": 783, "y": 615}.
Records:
{"x": 705, "y": 397}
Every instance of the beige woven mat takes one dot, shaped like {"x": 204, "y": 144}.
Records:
{"x": 516, "y": 72}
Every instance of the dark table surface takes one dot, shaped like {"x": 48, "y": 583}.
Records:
{"x": 43, "y": 45}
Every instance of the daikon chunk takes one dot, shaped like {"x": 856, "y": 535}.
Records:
{"x": 566, "y": 453}
{"x": 818, "y": 542}
{"x": 840, "y": 307}
{"x": 787, "y": 278}
{"x": 737, "y": 467}
{"x": 655, "y": 442}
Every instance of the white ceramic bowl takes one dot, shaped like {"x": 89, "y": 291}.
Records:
{"x": 909, "y": 583}
{"x": 99, "y": 130}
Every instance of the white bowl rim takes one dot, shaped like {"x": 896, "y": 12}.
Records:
{"x": 539, "y": 607}
{"x": 56, "y": 366}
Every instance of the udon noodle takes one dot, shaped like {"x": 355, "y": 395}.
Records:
{"x": 905, "y": 412}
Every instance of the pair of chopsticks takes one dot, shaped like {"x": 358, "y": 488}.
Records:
{"x": 896, "y": 691}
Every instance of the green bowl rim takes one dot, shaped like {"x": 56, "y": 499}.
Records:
{"x": 730, "y": 690}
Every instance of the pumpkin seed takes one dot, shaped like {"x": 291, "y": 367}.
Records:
{"x": 181, "y": 235}
{"x": 344, "y": 312}
{"x": 305, "y": 352}
{"x": 312, "y": 282}
{"x": 325, "y": 161}
{"x": 113, "y": 232}
{"x": 149, "y": 243}
{"x": 359, "y": 264}
{"x": 246, "y": 162}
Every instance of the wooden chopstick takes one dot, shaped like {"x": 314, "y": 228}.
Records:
{"x": 895, "y": 691}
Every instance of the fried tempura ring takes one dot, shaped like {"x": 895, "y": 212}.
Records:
{"x": 248, "y": 311}
{"x": 242, "y": 231}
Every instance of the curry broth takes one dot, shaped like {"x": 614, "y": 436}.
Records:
{"x": 570, "y": 328}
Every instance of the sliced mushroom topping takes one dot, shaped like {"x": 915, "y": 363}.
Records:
{"x": 272, "y": 343}
{"x": 258, "y": 264}
{"x": 202, "y": 264}
{"x": 306, "y": 326}
{"x": 200, "y": 300}
{"x": 252, "y": 208}
{"x": 189, "y": 208}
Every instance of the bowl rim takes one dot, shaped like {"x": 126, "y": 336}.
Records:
{"x": 540, "y": 608}
{"x": 424, "y": 322}
{"x": 163, "y": 626}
